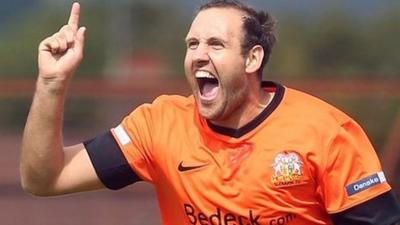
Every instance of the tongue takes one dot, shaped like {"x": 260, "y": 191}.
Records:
{"x": 209, "y": 91}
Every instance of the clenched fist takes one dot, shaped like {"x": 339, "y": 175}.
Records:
{"x": 61, "y": 53}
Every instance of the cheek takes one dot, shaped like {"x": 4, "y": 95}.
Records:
{"x": 232, "y": 70}
{"x": 218, "y": 57}
{"x": 186, "y": 60}
{"x": 234, "y": 83}
{"x": 187, "y": 64}
{"x": 228, "y": 59}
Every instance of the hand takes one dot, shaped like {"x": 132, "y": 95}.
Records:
{"x": 61, "y": 53}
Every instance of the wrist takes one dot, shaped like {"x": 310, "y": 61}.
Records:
{"x": 54, "y": 86}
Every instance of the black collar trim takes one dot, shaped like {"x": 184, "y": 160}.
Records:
{"x": 237, "y": 133}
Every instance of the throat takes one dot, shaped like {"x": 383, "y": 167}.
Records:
{"x": 246, "y": 113}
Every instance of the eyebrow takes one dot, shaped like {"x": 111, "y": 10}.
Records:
{"x": 190, "y": 39}
{"x": 211, "y": 39}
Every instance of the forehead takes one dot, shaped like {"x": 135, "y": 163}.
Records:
{"x": 217, "y": 22}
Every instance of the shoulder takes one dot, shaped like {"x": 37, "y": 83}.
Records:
{"x": 307, "y": 115}
{"x": 171, "y": 104}
{"x": 165, "y": 107}
{"x": 174, "y": 101}
{"x": 313, "y": 109}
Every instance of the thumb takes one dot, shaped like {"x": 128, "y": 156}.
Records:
{"x": 80, "y": 38}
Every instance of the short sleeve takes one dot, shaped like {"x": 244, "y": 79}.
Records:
{"x": 123, "y": 155}
{"x": 127, "y": 153}
{"x": 109, "y": 163}
{"x": 134, "y": 137}
{"x": 352, "y": 173}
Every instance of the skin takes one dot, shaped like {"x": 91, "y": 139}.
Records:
{"x": 215, "y": 46}
{"x": 48, "y": 168}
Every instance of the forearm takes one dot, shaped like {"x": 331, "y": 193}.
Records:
{"x": 42, "y": 155}
{"x": 46, "y": 167}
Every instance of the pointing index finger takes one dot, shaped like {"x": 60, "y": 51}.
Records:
{"x": 74, "y": 16}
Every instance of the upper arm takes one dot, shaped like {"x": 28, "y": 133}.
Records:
{"x": 381, "y": 210}
{"x": 352, "y": 173}
{"x": 119, "y": 157}
{"x": 78, "y": 173}
{"x": 355, "y": 190}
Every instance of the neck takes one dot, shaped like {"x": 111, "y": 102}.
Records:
{"x": 257, "y": 100}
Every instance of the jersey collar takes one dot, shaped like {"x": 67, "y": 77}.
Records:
{"x": 237, "y": 133}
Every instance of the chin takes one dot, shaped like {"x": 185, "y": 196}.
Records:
{"x": 207, "y": 113}
{"x": 210, "y": 114}
{"x": 210, "y": 111}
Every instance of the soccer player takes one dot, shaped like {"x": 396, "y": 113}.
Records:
{"x": 238, "y": 151}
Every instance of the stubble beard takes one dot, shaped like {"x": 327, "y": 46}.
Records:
{"x": 226, "y": 109}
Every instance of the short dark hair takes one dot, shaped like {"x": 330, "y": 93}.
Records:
{"x": 258, "y": 26}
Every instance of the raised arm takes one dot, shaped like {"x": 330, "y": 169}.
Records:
{"x": 48, "y": 168}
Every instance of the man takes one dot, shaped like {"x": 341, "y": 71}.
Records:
{"x": 238, "y": 151}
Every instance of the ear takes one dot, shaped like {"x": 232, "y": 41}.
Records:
{"x": 254, "y": 59}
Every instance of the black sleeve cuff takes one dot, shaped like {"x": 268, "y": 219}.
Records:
{"x": 381, "y": 210}
{"x": 110, "y": 164}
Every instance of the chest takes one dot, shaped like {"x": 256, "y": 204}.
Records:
{"x": 244, "y": 170}
{"x": 251, "y": 178}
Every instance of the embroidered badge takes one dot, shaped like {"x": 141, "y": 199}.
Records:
{"x": 288, "y": 169}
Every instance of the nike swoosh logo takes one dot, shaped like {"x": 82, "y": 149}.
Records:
{"x": 183, "y": 168}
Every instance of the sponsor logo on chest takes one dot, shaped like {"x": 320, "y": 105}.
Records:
{"x": 218, "y": 217}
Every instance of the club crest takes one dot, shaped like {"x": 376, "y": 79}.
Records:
{"x": 288, "y": 169}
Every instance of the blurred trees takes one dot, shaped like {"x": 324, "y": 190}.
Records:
{"x": 332, "y": 43}
{"x": 328, "y": 45}
{"x": 338, "y": 44}
{"x": 18, "y": 46}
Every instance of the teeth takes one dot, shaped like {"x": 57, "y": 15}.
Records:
{"x": 204, "y": 74}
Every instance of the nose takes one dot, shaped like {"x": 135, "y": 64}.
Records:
{"x": 201, "y": 56}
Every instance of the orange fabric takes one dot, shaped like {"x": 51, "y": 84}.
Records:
{"x": 293, "y": 168}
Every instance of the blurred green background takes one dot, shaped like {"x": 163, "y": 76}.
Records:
{"x": 142, "y": 41}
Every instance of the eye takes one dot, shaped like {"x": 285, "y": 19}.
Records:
{"x": 192, "y": 44}
{"x": 216, "y": 44}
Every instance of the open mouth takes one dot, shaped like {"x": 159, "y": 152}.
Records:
{"x": 208, "y": 85}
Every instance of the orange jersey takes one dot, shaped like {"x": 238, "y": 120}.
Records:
{"x": 297, "y": 162}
